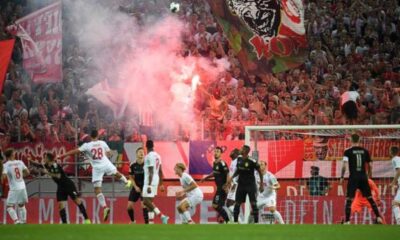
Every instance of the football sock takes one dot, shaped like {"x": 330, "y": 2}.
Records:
{"x": 374, "y": 206}
{"x": 223, "y": 214}
{"x": 157, "y": 211}
{"x": 22, "y": 214}
{"x": 278, "y": 216}
{"x": 102, "y": 200}
{"x": 255, "y": 212}
{"x": 236, "y": 212}
{"x": 184, "y": 220}
{"x": 131, "y": 214}
{"x": 83, "y": 210}
{"x": 396, "y": 213}
{"x": 187, "y": 216}
{"x": 63, "y": 215}
{"x": 151, "y": 217}
{"x": 13, "y": 214}
{"x": 146, "y": 215}
{"x": 348, "y": 209}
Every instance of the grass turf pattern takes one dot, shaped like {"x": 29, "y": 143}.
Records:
{"x": 198, "y": 232}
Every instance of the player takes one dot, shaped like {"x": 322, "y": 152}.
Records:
{"x": 267, "y": 198}
{"x": 220, "y": 174}
{"x": 394, "y": 153}
{"x": 230, "y": 203}
{"x": 65, "y": 187}
{"x": 358, "y": 159}
{"x": 97, "y": 151}
{"x": 153, "y": 177}
{"x": 194, "y": 195}
{"x": 136, "y": 175}
{"x": 15, "y": 171}
{"x": 360, "y": 201}
{"x": 246, "y": 182}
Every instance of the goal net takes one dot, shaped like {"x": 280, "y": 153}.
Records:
{"x": 307, "y": 163}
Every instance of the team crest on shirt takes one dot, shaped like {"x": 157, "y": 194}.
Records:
{"x": 246, "y": 164}
{"x": 217, "y": 168}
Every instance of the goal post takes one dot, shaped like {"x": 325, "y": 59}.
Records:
{"x": 296, "y": 153}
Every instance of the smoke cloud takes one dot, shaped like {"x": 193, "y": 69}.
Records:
{"x": 141, "y": 63}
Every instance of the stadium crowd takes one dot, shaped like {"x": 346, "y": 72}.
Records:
{"x": 349, "y": 42}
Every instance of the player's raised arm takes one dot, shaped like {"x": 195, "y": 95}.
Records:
{"x": 209, "y": 176}
{"x": 70, "y": 152}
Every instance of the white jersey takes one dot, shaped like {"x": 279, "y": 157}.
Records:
{"x": 152, "y": 159}
{"x": 232, "y": 170}
{"x": 96, "y": 151}
{"x": 269, "y": 180}
{"x": 186, "y": 180}
{"x": 350, "y": 96}
{"x": 396, "y": 165}
{"x": 14, "y": 171}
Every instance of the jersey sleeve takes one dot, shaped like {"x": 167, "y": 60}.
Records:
{"x": 187, "y": 179}
{"x": 149, "y": 161}
{"x": 396, "y": 163}
{"x": 273, "y": 180}
{"x": 346, "y": 156}
{"x": 83, "y": 148}
{"x": 4, "y": 169}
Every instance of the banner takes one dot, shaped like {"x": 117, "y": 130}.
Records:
{"x": 295, "y": 205}
{"x": 266, "y": 35}
{"x": 6, "y": 47}
{"x": 41, "y": 37}
{"x": 36, "y": 152}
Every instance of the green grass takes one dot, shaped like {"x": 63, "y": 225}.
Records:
{"x": 198, "y": 232}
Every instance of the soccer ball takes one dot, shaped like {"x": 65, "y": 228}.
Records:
{"x": 174, "y": 7}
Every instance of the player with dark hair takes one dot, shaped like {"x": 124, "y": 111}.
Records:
{"x": 153, "y": 178}
{"x": 358, "y": 160}
{"x": 98, "y": 153}
{"x": 65, "y": 186}
{"x": 245, "y": 169}
{"x": 220, "y": 174}
{"x": 136, "y": 175}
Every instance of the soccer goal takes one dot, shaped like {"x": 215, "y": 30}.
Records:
{"x": 307, "y": 163}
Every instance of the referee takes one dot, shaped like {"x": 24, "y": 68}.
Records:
{"x": 358, "y": 160}
{"x": 245, "y": 169}
{"x": 65, "y": 187}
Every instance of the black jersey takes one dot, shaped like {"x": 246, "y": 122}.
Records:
{"x": 137, "y": 171}
{"x": 245, "y": 168}
{"x": 357, "y": 157}
{"x": 220, "y": 171}
{"x": 55, "y": 168}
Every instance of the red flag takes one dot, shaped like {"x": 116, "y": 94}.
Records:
{"x": 5, "y": 56}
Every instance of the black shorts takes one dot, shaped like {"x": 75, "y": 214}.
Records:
{"x": 243, "y": 191}
{"x": 350, "y": 109}
{"x": 68, "y": 190}
{"x": 361, "y": 183}
{"x": 219, "y": 198}
{"x": 135, "y": 196}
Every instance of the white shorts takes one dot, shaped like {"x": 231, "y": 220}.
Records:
{"x": 194, "y": 200}
{"x": 153, "y": 192}
{"x": 232, "y": 192}
{"x": 397, "y": 197}
{"x": 17, "y": 197}
{"x": 263, "y": 201}
{"x": 98, "y": 173}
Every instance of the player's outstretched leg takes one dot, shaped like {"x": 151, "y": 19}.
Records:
{"x": 102, "y": 200}
{"x": 123, "y": 179}
{"x": 277, "y": 215}
{"x": 148, "y": 202}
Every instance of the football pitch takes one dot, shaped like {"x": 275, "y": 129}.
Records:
{"x": 199, "y": 232}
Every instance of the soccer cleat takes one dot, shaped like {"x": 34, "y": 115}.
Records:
{"x": 378, "y": 220}
{"x": 128, "y": 184}
{"x": 346, "y": 223}
{"x": 164, "y": 219}
{"x": 191, "y": 222}
{"x": 106, "y": 213}
{"x": 87, "y": 221}
{"x": 133, "y": 222}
